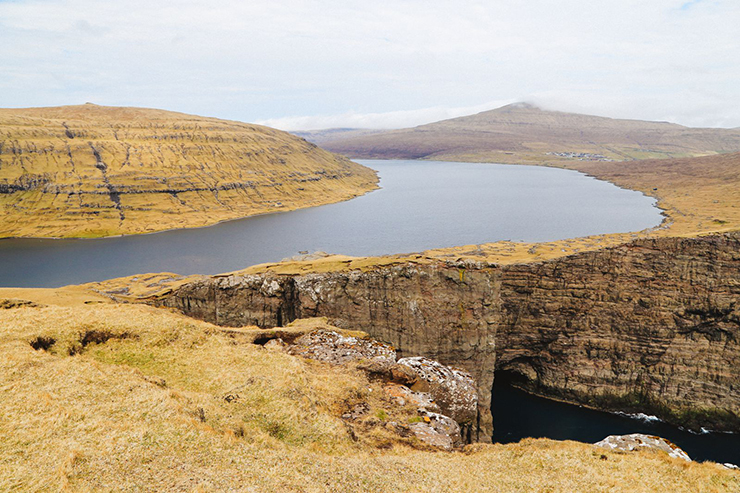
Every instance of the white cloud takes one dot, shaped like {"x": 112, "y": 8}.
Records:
{"x": 388, "y": 120}
{"x": 376, "y": 63}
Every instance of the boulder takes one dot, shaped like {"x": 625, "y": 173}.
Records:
{"x": 454, "y": 391}
{"x": 438, "y": 431}
{"x": 277, "y": 343}
{"x": 402, "y": 395}
{"x": 332, "y": 347}
{"x": 637, "y": 441}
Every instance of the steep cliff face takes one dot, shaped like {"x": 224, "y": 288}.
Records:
{"x": 441, "y": 311}
{"x": 652, "y": 325}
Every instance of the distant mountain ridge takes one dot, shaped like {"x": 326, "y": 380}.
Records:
{"x": 318, "y": 137}
{"x": 522, "y": 132}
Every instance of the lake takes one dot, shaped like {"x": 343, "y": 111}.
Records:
{"x": 421, "y": 205}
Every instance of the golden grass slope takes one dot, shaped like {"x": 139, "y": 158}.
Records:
{"x": 522, "y": 133}
{"x": 89, "y": 171}
{"x": 133, "y": 398}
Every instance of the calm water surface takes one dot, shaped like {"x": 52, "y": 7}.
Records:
{"x": 518, "y": 415}
{"x": 421, "y": 205}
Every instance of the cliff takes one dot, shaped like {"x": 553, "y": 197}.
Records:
{"x": 652, "y": 325}
{"x": 88, "y": 171}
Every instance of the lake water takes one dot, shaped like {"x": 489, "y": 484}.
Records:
{"x": 421, "y": 205}
{"x": 518, "y": 415}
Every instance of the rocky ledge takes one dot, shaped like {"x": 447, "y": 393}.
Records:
{"x": 639, "y": 441}
{"x": 649, "y": 326}
{"x": 445, "y": 398}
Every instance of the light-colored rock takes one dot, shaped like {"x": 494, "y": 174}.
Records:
{"x": 358, "y": 411}
{"x": 453, "y": 390}
{"x": 276, "y": 343}
{"x": 638, "y": 441}
{"x": 332, "y": 347}
{"x": 402, "y": 395}
{"x": 438, "y": 431}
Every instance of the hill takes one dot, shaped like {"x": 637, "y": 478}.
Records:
{"x": 89, "y": 171}
{"x": 522, "y": 133}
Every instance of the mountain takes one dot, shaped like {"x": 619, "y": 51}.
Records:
{"x": 318, "y": 137}
{"x": 89, "y": 171}
{"x": 522, "y": 132}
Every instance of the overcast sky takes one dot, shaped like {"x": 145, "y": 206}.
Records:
{"x": 302, "y": 64}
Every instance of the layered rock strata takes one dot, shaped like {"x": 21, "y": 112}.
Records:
{"x": 90, "y": 171}
{"x": 652, "y": 325}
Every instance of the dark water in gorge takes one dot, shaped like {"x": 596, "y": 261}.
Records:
{"x": 518, "y": 415}
{"x": 421, "y": 205}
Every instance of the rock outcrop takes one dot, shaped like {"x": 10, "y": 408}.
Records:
{"x": 638, "y": 441}
{"x": 454, "y": 389}
{"x": 650, "y": 326}
{"x": 338, "y": 349}
{"x": 402, "y": 395}
{"x": 438, "y": 430}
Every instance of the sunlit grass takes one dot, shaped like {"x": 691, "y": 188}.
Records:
{"x": 127, "y": 397}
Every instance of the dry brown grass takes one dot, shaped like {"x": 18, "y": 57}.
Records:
{"x": 525, "y": 134}
{"x": 88, "y": 171}
{"x": 133, "y": 398}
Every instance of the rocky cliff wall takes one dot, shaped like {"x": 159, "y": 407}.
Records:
{"x": 652, "y": 325}
{"x": 440, "y": 311}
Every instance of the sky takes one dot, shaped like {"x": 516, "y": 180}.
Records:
{"x": 309, "y": 64}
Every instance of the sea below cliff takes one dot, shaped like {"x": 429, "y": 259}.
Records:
{"x": 518, "y": 414}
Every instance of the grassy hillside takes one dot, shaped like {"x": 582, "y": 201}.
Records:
{"x": 104, "y": 397}
{"x": 522, "y": 133}
{"x": 87, "y": 171}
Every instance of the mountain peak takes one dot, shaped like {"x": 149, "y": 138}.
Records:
{"x": 522, "y": 105}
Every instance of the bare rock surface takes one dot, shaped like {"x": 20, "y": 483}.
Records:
{"x": 276, "y": 343}
{"x": 402, "y": 395}
{"x": 438, "y": 430}
{"x": 444, "y": 397}
{"x": 332, "y": 347}
{"x": 637, "y": 441}
{"x": 453, "y": 390}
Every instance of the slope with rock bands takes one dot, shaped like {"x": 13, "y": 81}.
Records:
{"x": 90, "y": 171}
